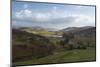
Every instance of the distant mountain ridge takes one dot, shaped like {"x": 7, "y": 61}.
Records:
{"x": 75, "y": 29}
{"x": 89, "y": 32}
{"x": 37, "y": 28}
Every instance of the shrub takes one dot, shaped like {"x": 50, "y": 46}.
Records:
{"x": 70, "y": 47}
{"x": 66, "y": 38}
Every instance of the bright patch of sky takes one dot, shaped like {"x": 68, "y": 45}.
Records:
{"x": 47, "y": 15}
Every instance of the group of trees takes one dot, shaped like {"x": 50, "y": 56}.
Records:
{"x": 65, "y": 41}
{"x": 70, "y": 41}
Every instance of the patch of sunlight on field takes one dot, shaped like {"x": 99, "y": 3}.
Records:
{"x": 45, "y": 33}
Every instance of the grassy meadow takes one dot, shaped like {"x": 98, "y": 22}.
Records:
{"x": 63, "y": 56}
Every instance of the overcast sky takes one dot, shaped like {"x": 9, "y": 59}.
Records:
{"x": 59, "y": 16}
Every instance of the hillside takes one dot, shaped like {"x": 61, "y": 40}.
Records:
{"x": 26, "y": 45}
{"x": 37, "y": 28}
{"x": 75, "y": 29}
{"x": 90, "y": 32}
{"x": 37, "y": 48}
{"x": 46, "y": 32}
{"x": 87, "y": 31}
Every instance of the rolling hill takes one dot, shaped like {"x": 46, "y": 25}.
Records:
{"x": 27, "y": 45}
{"x": 87, "y": 31}
{"x": 75, "y": 29}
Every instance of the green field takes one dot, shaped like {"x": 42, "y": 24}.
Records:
{"x": 64, "y": 56}
{"x": 44, "y": 32}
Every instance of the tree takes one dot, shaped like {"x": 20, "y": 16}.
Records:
{"x": 66, "y": 38}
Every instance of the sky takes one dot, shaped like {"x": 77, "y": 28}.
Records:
{"x": 50, "y": 15}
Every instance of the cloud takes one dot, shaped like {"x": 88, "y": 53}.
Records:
{"x": 41, "y": 17}
{"x": 52, "y": 18}
{"x": 85, "y": 19}
{"x": 22, "y": 14}
{"x": 29, "y": 14}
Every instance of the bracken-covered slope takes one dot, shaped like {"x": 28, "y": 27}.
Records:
{"x": 75, "y": 29}
{"x": 90, "y": 32}
{"x": 27, "y": 45}
{"x": 82, "y": 31}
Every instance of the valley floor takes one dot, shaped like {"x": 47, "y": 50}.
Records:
{"x": 64, "y": 56}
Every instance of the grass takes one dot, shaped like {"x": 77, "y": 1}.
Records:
{"x": 45, "y": 33}
{"x": 63, "y": 56}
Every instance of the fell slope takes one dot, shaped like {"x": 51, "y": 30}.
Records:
{"x": 27, "y": 45}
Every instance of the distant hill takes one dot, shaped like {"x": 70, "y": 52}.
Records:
{"x": 37, "y": 28}
{"x": 75, "y": 29}
{"x": 89, "y": 32}
{"x": 82, "y": 31}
